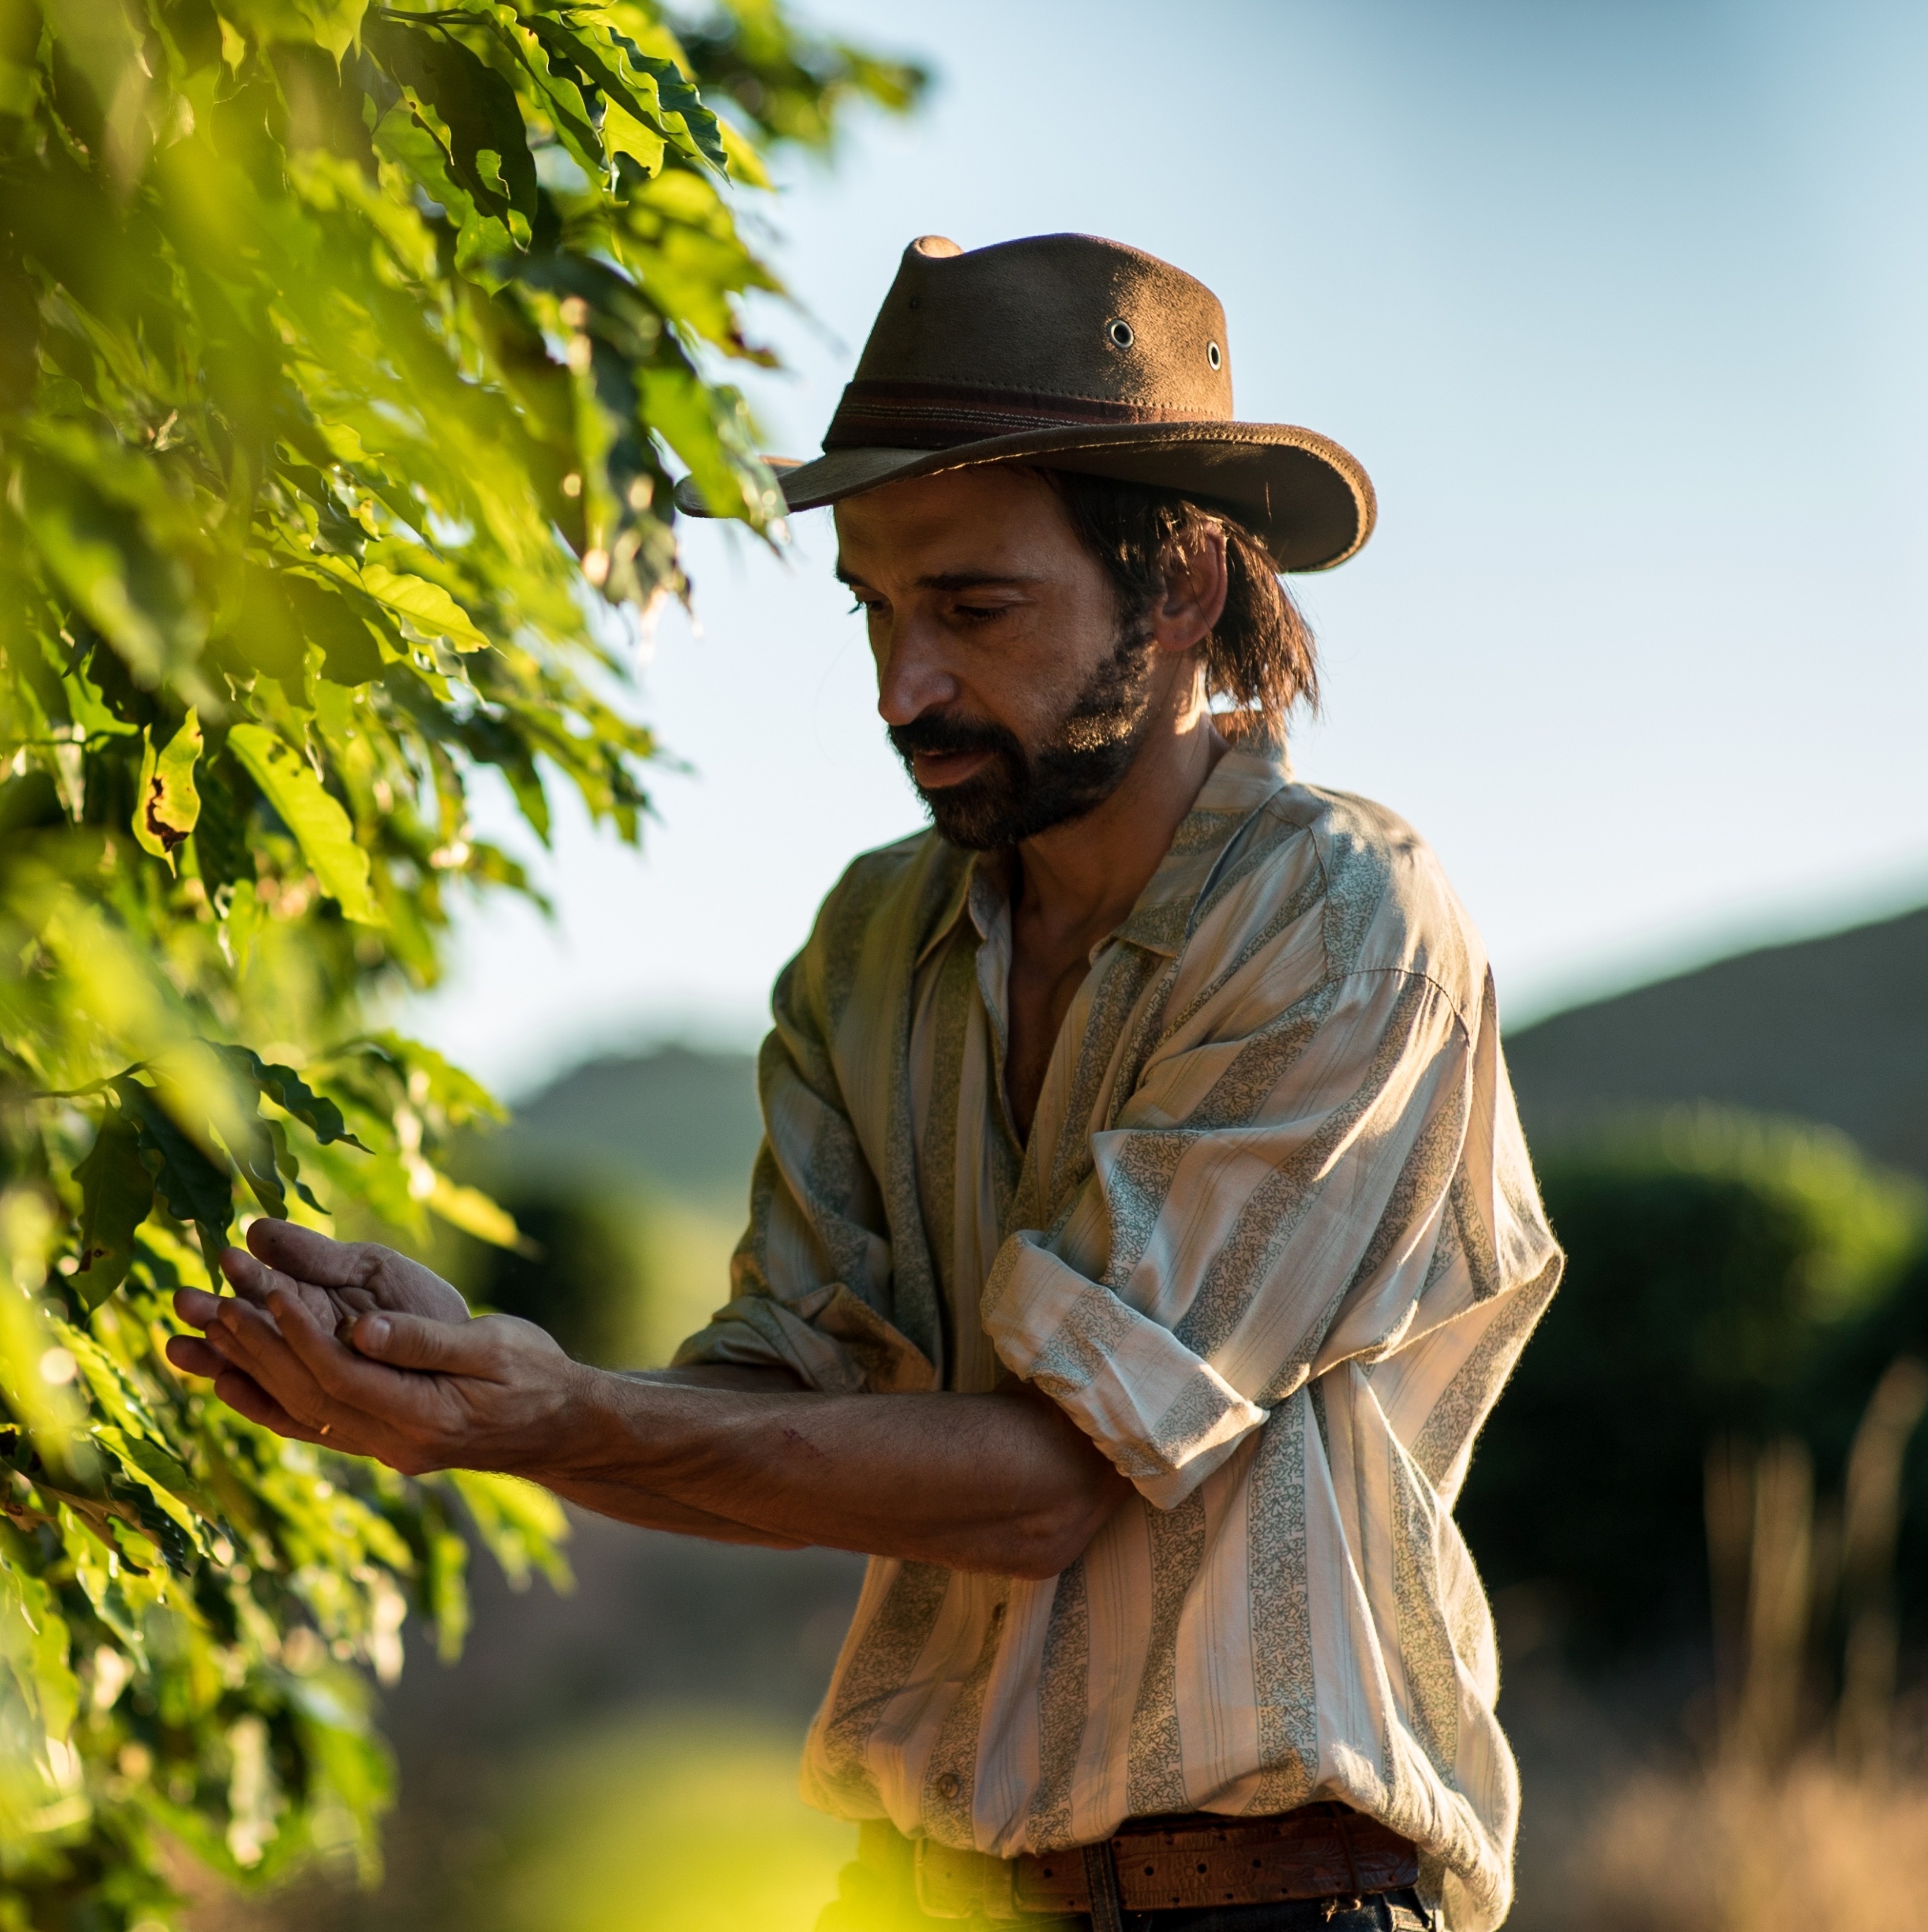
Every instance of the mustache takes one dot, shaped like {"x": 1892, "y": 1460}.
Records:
{"x": 938, "y": 732}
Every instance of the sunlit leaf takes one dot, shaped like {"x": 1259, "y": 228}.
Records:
{"x": 31, "y": 1377}
{"x": 517, "y": 1522}
{"x": 426, "y": 605}
{"x": 472, "y": 1211}
{"x": 167, "y": 805}
{"x": 318, "y": 821}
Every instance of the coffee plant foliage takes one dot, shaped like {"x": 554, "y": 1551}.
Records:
{"x": 347, "y": 352}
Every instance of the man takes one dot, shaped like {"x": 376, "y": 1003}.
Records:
{"x": 1142, "y": 1228}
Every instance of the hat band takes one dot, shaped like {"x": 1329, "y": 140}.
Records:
{"x": 876, "y": 415}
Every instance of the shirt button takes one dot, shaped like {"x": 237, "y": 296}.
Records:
{"x": 949, "y": 1785}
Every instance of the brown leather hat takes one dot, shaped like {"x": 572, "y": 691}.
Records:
{"x": 1074, "y": 353}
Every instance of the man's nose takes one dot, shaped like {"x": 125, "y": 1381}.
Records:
{"x": 911, "y": 677}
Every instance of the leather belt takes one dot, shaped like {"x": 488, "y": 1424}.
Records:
{"x": 1166, "y": 1864}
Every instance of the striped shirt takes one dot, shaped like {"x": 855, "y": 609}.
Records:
{"x": 1274, "y": 1243}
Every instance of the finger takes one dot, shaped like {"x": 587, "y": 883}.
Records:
{"x": 194, "y": 1357}
{"x": 247, "y": 1338}
{"x": 196, "y": 1307}
{"x": 417, "y": 1342}
{"x": 248, "y": 1278}
{"x": 307, "y": 1255}
{"x": 360, "y": 1274}
{"x": 388, "y": 1397}
{"x": 246, "y": 1396}
{"x": 255, "y": 1283}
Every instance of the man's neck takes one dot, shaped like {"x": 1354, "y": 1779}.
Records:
{"x": 1076, "y": 884}
{"x": 1084, "y": 878}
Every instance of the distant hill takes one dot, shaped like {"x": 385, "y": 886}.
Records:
{"x": 684, "y": 1121}
{"x": 1834, "y": 1030}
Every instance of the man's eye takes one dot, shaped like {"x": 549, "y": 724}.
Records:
{"x": 868, "y": 609}
{"x": 978, "y": 613}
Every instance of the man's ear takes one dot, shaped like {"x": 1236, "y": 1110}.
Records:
{"x": 1196, "y": 583}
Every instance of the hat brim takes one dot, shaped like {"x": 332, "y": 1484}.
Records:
{"x": 1309, "y": 502}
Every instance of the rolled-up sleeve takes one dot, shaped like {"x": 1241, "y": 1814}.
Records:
{"x": 1265, "y": 1206}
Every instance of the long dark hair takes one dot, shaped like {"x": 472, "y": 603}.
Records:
{"x": 1260, "y": 660}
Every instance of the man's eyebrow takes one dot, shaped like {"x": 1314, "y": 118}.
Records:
{"x": 952, "y": 580}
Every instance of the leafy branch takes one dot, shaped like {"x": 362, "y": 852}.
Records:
{"x": 347, "y": 354}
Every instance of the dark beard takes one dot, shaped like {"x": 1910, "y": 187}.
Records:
{"x": 1019, "y": 794}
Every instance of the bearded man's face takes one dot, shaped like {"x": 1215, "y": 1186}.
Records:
{"x": 1014, "y": 694}
{"x": 1024, "y": 790}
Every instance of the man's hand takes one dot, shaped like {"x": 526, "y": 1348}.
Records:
{"x": 278, "y": 1352}
{"x": 335, "y": 1281}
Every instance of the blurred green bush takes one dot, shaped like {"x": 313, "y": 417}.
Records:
{"x": 1728, "y": 1275}
{"x": 580, "y": 1272}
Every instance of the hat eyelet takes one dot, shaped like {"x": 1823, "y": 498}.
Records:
{"x": 1212, "y": 355}
{"x": 1119, "y": 331}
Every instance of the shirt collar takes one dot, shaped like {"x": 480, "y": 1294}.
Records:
{"x": 1239, "y": 784}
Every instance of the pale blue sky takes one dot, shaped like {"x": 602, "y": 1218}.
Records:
{"x": 1623, "y": 303}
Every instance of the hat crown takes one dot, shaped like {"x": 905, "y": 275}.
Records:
{"x": 1053, "y": 317}
{"x": 1066, "y": 351}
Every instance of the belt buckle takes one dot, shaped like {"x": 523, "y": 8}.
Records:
{"x": 953, "y": 1883}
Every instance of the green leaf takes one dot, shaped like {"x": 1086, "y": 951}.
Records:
{"x": 292, "y": 1094}
{"x": 164, "y": 1476}
{"x": 521, "y": 1525}
{"x": 676, "y": 96}
{"x": 280, "y": 613}
{"x": 167, "y": 805}
{"x": 107, "y": 555}
{"x": 34, "y": 1641}
{"x": 433, "y": 1080}
{"x": 319, "y": 824}
{"x": 426, "y": 606}
{"x": 242, "y": 925}
{"x": 291, "y": 1168}
{"x": 116, "y": 1196}
{"x": 191, "y": 1185}
{"x": 252, "y": 1147}
{"x": 488, "y": 145}
{"x": 472, "y": 1211}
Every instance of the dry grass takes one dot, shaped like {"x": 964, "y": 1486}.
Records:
{"x": 1813, "y": 1852}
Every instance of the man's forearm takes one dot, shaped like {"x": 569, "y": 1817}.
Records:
{"x": 1005, "y": 1483}
{"x": 627, "y": 1504}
